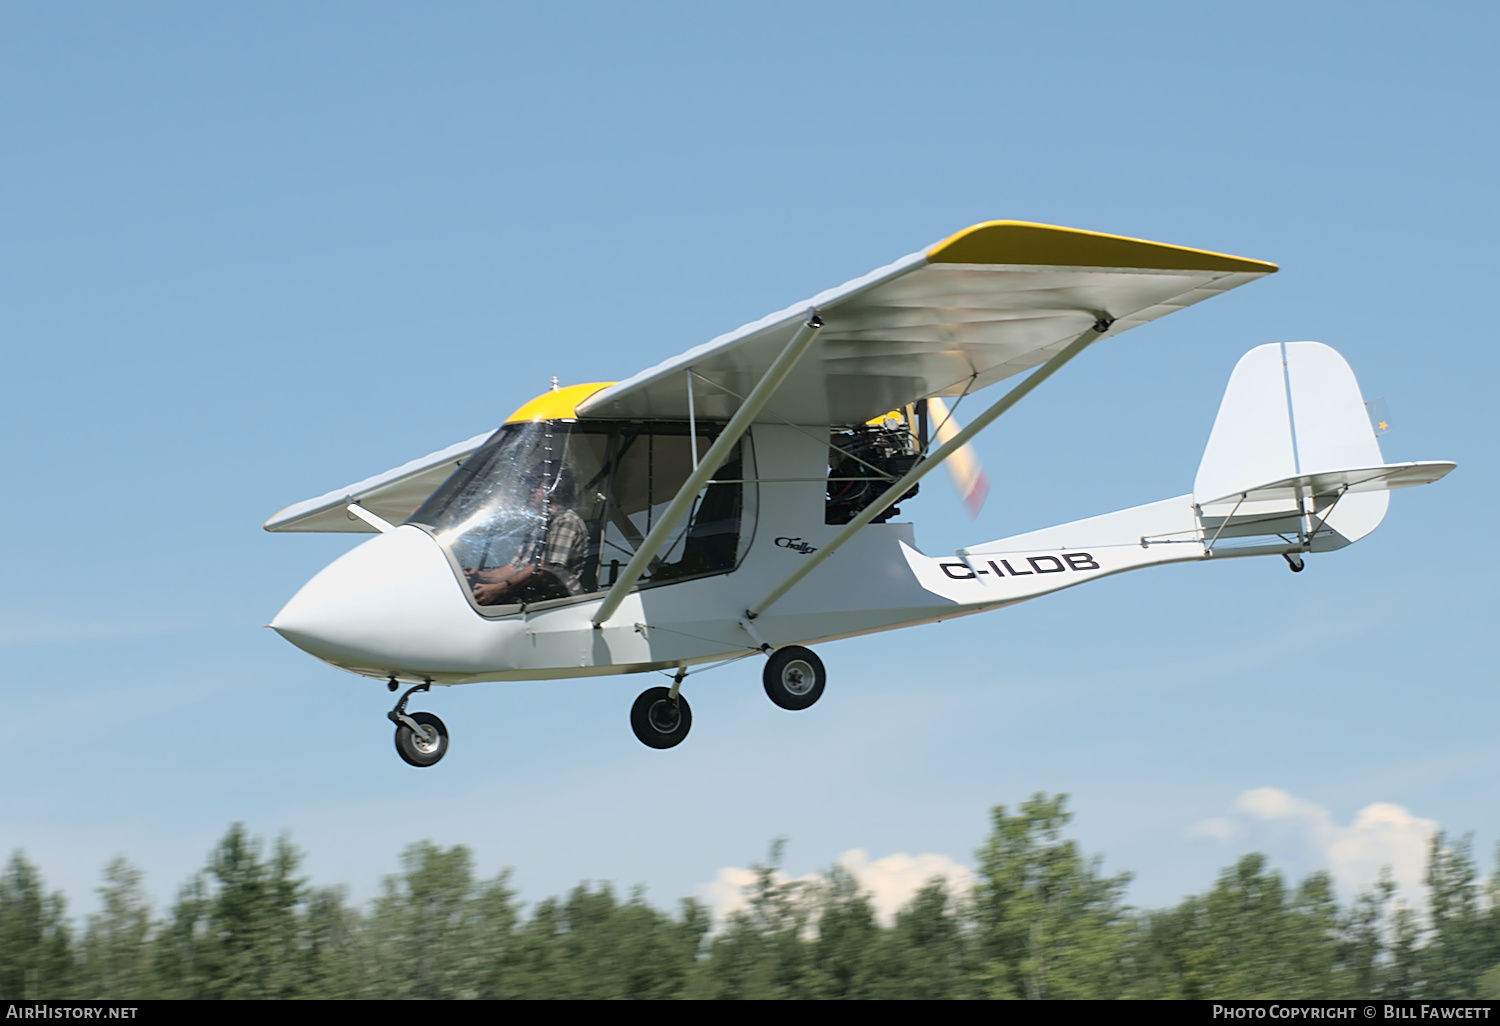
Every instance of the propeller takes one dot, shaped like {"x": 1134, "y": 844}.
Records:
{"x": 969, "y": 478}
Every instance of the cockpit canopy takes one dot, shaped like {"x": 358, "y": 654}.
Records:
{"x": 552, "y": 509}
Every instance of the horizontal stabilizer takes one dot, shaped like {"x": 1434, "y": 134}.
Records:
{"x": 392, "y": 496}
{"x": 1322, "y": 488}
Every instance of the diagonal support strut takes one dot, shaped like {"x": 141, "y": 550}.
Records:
{"x": 893, "y": 494}
{"x": 717, "y": 453}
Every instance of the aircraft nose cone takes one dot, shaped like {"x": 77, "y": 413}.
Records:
{"x": 380, "y": 608}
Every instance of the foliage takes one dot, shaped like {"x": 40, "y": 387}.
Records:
{"x": 35, "y": 945}
{"x": 1042, "y": 921}
{"x": 1049, "y": 926}
{"x": 1248, "y": 938}
{"x": 116, "y": 957}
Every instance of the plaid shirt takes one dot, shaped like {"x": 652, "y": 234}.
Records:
{"x": 561, "y": 548}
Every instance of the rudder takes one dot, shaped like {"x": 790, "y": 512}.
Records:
{"x": 1291, "y": 409}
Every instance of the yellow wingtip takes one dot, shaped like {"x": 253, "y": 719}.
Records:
{"x": 1025, "y": 242}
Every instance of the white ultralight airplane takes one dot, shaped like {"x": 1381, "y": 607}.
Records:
{"x": 736, "y": 499}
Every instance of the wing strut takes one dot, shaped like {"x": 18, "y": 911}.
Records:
{"x": 717, "y": 453}
{"x": 893, "y": 494}
{"x": 373, "y": 519}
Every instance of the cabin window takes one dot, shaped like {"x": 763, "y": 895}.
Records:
{"x": 556, "y": 510}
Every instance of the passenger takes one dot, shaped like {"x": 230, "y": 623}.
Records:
{"x": 548, "y": 562}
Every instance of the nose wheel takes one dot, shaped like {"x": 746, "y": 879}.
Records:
{"x": 421, "y": 738}
{"x": 425, "y": 744}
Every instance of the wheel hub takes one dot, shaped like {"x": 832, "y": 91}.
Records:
{"x": 797, "y": 678}
{"x": 664, "y": 717}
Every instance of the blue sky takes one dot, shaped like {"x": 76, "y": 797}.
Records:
{"x": 250, "y": 253}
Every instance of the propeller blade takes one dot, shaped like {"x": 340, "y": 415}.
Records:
{"x": 969, "y": 478}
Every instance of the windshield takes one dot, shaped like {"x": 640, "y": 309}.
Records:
{"x": 554, "y": 509}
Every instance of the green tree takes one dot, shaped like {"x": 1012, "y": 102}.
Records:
{"x": 35, "y": 945}
{"x": 1362, "y": 950}
{"x": 1402, "y": 978}
{"x": 1152, "y": 961}
{"x": 1249, "y": 938}
{"x": 1454, "y": 957}
{"x": 925, "y": 954}
{"x": 179, "y": 942}
{"x": 117, "y": 956}
{"x": 1048, "y": 924}
{"x": 761, "y": 953}
{"x": 846, "y": 942}
{"x": 253, "y": 919}
{"x": 496, "y": 919}
{"x": 333, "y": 954}
{"x": 1489, "y": 937}
{"x": 436, "y": 933}
{"x": 1313, "y": 938}
{"x": 592, "y": 946}
{"x": 235, "y": 931}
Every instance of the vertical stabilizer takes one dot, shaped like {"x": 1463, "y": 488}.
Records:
{"x": 1291, "y": 409}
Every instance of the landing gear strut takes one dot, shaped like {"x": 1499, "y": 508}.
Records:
{"x": 421, "y": 738}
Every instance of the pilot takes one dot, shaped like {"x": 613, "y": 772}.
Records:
{"x": 548, "y": 562}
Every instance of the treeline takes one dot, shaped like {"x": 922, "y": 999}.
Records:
{"x": 1040, "y": 922}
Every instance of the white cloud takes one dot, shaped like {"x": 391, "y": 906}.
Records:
{"x": 890, "y": 882}
{"x": 1218, "y": 829}
{"x": 894, "y": 880}
{"x": 727, "y": 894}
{"x": 1382, "y": 834}
{"x": 1272, "y": 803}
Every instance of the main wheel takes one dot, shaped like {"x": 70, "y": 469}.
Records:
{"x": 658, "y": 721}
{"x": 794, "y": 677}
{"x": 426, "y": 748}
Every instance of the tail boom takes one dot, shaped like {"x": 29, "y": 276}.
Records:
{"x": 1292, "y": 466}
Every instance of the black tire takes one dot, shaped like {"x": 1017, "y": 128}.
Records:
{"x": 422, "y": 751}
{"x": 658, "y": 721}
{"x": 794, "y": 677}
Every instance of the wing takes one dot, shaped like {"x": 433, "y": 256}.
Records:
{"x": 392, "y": 496}
{"x": 994, "y": 300}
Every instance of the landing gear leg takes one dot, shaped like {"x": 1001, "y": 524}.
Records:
{"x": 421, "y": 738}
